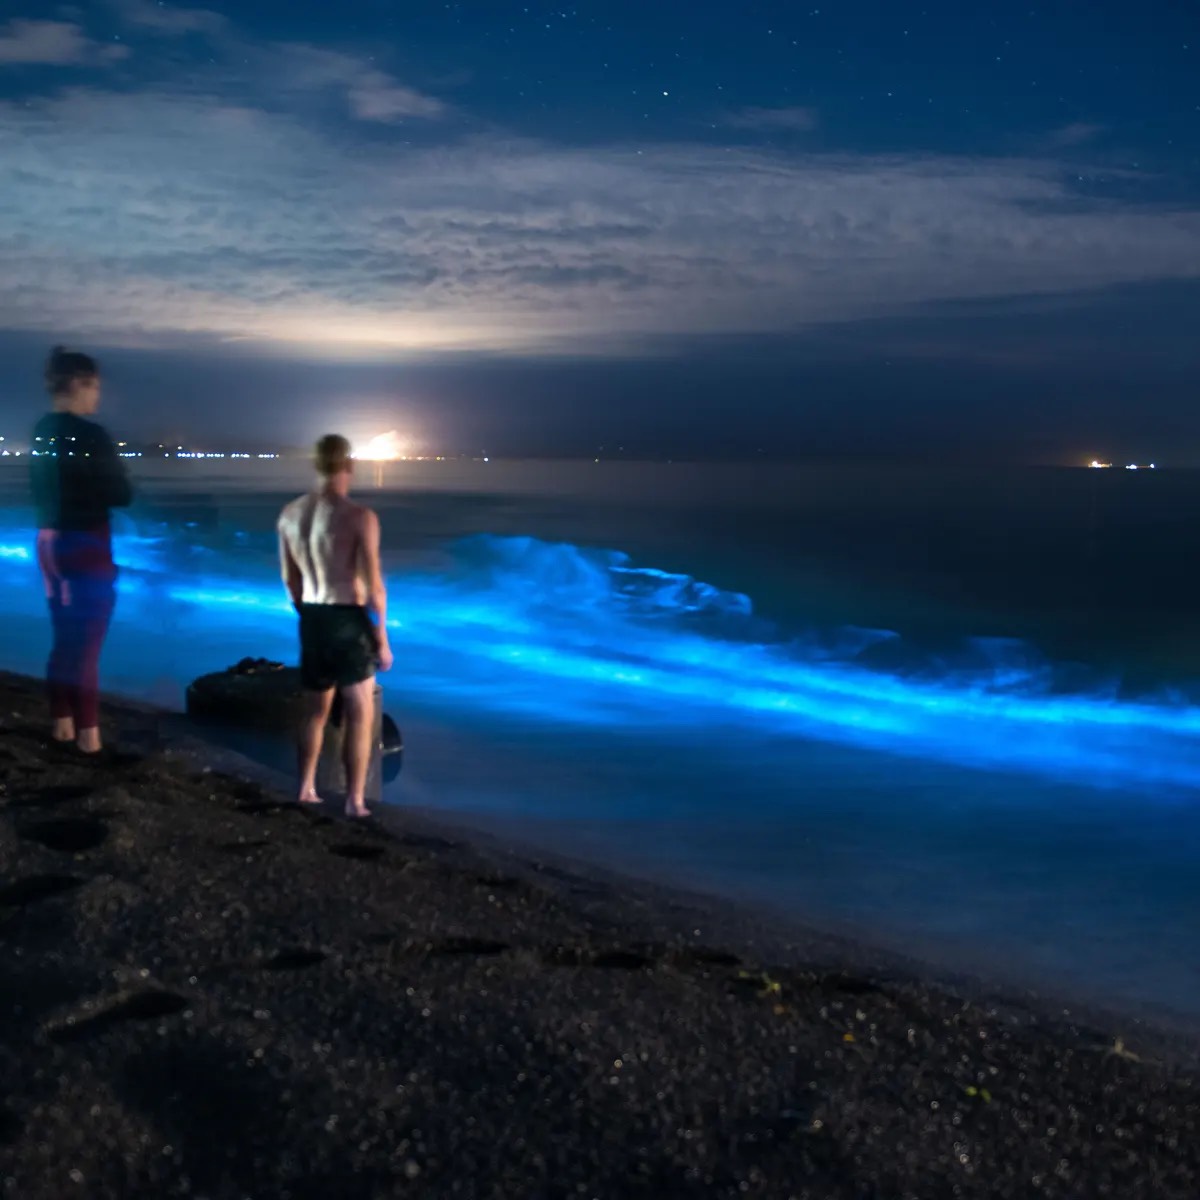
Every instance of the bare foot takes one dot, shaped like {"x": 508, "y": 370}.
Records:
{"x": 357, "y": 809}
{"x": 64, "y": 729}
{"x": 88, "y": 740}
{"x": 309, "y": 796}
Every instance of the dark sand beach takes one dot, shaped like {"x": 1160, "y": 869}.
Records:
{"x": 207, "y": 991}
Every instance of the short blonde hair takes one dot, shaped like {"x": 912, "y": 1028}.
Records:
{"x": 331, "y": 455}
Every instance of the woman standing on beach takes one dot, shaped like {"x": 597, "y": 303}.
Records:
{"x": 77, "y": 479}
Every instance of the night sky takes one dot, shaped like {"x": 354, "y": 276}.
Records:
{"x": 671, "y": 225}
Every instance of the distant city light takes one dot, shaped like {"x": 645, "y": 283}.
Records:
{"x": 385, "y": 447}
{"x": 214, "y": 454}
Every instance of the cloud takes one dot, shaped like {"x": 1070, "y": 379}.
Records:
{"x": 371, "y": 94}
{"x": 1078, "y": 133}
{"x": 51, "y": 43}
{"x": 155, "y": 216}
{"x": 170, "y": 20}
{"x": 376, "y": 97}
{"x": 799, "y": 120}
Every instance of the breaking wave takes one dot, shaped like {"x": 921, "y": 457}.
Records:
{"x": 576, "y": 634}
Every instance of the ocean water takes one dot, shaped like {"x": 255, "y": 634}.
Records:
{"x": 956, "y": 713}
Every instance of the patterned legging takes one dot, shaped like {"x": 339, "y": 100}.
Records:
{"x": 73, "y": 671}
{"x": 80, "y": 581}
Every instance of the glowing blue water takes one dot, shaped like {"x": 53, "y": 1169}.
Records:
{"x": 584, "y": 636}
{"x": 983, "y": 808}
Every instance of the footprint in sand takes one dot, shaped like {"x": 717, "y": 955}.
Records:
{"x": 10, "y": 1126}
{"x": 357, "y": 851}
{"x": 68, "y": 835}
{"x": 849, "y": 985}
{"x": 621, "y": 960}
{"x": 295, "y": 960}
{"x": 612, "y": 960}
{"x": 33, "y": 888}
{"x": 499, "y": 883}
{"x": 52, "y": 796}
{"x": 420, "y": 841}
{"x": 141, "y": 1006}
{"x": 476, "y": 947}
{"x": 240, "y": 847}
{"x": 700, "y": 957}
{"x": 264, "y": 808}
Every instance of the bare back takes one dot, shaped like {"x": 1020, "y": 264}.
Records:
{"x": 323, "y": 534}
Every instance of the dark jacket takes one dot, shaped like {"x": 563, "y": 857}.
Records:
{"x": 76, "y": 474}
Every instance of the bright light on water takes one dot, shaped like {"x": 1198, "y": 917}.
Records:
{"x": 577, "y": 636}
{"x": 383, "y": 447}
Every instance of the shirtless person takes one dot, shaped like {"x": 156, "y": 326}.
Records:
{"x": 329, "y": 556}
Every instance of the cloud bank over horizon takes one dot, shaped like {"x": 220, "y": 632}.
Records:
{"x": 315, "y": 199}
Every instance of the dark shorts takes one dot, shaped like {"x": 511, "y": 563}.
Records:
{"x": 338, "y": 647}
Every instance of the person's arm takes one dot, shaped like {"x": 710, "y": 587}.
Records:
{"x": 45, "y": 481}
{"x": 46, "y": 484}
{"x": 293, "y": 580}
{"x": 109, "y": 476}
{"x": 376, "y": 591}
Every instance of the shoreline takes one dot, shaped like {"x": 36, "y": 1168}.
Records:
{"x": 782, "y": 936}
{"x": 451, "y": 1012}
{"x": 672, "y": 902}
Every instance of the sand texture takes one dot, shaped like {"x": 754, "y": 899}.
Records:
{"x": 206, "y": 991}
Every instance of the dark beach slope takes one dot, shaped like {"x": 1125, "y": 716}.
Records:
{"x": 204, "y": 991}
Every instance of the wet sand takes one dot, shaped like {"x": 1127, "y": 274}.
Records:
{"x": 207, "y": 991}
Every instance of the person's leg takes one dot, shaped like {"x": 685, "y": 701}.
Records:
{"x": 312, "y": 735}
{"x": 358, "y": 724}
{"x": 94, "y": 608}
{"x": 58, "y": 687}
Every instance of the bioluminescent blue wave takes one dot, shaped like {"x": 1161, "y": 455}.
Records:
{"x": 574, "y": 635}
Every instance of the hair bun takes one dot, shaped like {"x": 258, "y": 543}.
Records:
{"x": 65, "y": 366}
